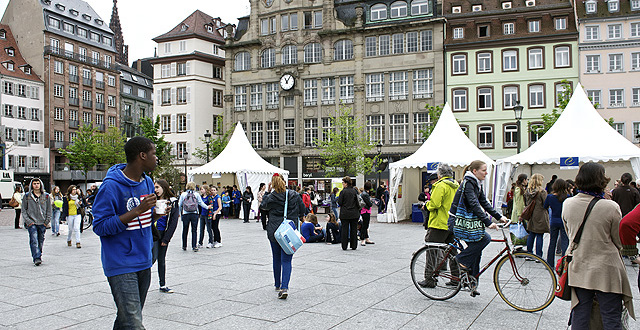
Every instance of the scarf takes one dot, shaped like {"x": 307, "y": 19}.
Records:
{"x": 591, "y": 193}
{"x": 74, "y": 197}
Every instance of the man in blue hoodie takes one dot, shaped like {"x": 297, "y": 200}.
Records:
{"x": 123, "y": 210}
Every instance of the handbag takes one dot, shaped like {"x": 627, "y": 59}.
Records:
{"x": 287, "y": 235}
{"x": 563, "y": 291}
{"x": 13, "y": 202}
{"x": 467, "y": 226}
{"x": 527, "y": 213}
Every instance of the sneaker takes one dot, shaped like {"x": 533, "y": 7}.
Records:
{"x": 217, "y": 244}
{"x": 57, "y": 234}
{"x": 283, "y": 294}
{"x": 68, "y": 243}
{"x": 427, "y": 284}
{"x": 195, "y": 249}
{"x": 37, "y": 262}
{"x": 184, "y": 248}
{"x": 278, "y": 289}
{"x": 165, "y": 289}
{"x": 199, "y": 246}
{"x": 78, "y": 245}
{"x": 210, "y": 246}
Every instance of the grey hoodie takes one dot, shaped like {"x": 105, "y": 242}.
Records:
{"x": 36, "y": 209}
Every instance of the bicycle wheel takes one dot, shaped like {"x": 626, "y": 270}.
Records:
{"x": 525, "y": 281}
{"x": 435, "y": 273}
{"x": 87, "y": 221}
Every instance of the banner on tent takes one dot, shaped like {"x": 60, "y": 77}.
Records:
{"x": 432, "y": 166}
{"x": 569, "y": 163}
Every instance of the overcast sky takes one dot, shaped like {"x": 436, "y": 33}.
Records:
{"x": 143, "y": 20}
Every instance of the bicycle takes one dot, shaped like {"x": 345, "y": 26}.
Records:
{"x": 87, "y": 219}
{"x": 523, "y": 280}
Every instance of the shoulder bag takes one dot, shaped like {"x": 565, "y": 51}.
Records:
{"x": 563, "y": 291}
{"x": 287, "y": 235}
{"x": 527, "y": 213}
{"x": 467, "y": 226}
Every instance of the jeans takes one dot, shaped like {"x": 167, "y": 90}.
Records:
{"x": 74, "y": 222}
{"x": 55, "y": 220}
{"x": 281, "y": 266}
{"x": 335, "y": 212}
{"x": 204, "y": 220}
{"x": 349, "y": 233}
{"x": 189, "y": 219}
{"x": 36, "y": 240}
{"x": 539, "y": 240}
{"x": 246, "y": 207}
{"x": 610, "y": 309}
{"x": 129, "y": 292}
{"x": 215, "y": 227}
{"x": 556, "y": 230}
{"x": 364, "y": 230}
{"x": 316, "y": 238}
{"x": 160, "y": 254}
{"x": 470, "y": 257}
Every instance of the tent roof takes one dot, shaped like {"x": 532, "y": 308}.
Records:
{"x": 238, "y": 156}
{"x": 580, "y": 132}
{"x": 446, "y": 144}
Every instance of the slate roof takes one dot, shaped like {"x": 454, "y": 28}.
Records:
{"x": 602, "y": 10}
{"x": 194, "y": 25}
{"x": 18, "y": 60}
{"x": 126, "y": 74}
{"x": 68, "y": 9}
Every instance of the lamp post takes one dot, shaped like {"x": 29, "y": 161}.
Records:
{"x": 379, "y": 150}
{"x": 185, "y": 155}
{"x": 517, "y": 109}
{"x": 207, "y": 140}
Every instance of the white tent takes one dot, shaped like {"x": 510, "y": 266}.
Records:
{"x": 579, "y": 135}
{"x": 240, "y": 158}
{"x": 446, "y": 144}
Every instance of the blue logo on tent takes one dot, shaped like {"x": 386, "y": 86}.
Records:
{"x": 432, "y": 166}
{"x": 569, "y": 161}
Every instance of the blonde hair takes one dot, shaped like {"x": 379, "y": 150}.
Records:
{"x": 535, "y": 183}
{"x": 277, "y": 182}
{"x": 190, "y": 186}
{"x": 312, "y": 218}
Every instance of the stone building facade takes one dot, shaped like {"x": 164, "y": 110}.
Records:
{"x": 136, "y": 100}
{"x": 292, "y": 63}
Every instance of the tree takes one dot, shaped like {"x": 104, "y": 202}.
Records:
{"x": 216, "y": 145}
{"x": 434, "y": 116}
{"x": 151, "y": 130}
{"x": 344, "y": 151}
{"x": 82, "y": 150}
{"x": 110, "y": 147}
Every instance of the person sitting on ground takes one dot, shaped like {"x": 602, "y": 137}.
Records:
{"x": 332, "y": 230}
{"x": 309, "y": 231}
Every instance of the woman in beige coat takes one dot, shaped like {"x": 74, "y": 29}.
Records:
{"x": 597, "y": 270}
{"x": 539, "y": 222}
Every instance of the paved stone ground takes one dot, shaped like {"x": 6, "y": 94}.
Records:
{"x": 232, "y": 287}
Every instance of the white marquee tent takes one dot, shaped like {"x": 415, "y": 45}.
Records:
{"x": 240, "y": 158}
{"x": 579, "y": 135}
{"x": 446, "y": 144}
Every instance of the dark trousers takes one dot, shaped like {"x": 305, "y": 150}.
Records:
{"x": 160, "y": 254}
{"x": 263, "y": 217}
{"x": 349, "y": 233}
{"x": 204, "y": 222}
{"x": 610, "y": 309}
{"x": 215, "y": 227}
{"x": 471, "y": 256}
{"x": 316, "y": 238}
{"x": 246, "y": 207}
{"x": 236, "y": 210}
{"x": 538, "y": 239}
{"x": 557, "y": 231}
{"x": 189, "y": 219}
{"x": 129, "y": 292}
{"x": 435, "y": 235}
{"x": 18, "y": 211}
{"x": 364, "y": 230}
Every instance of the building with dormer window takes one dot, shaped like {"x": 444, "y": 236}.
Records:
{"x": 293, "y": 63}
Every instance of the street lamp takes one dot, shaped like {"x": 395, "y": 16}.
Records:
{"x": 517, "y": 110}
{"x": 207, "y": 140}
{"x": 185, "y": 154}
{"x": 379, "y": 150}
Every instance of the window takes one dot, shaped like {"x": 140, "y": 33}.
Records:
{"x": 289, "y": 132}
{"x": 327, "y": 128}
{"x": 328, "y": 90}
{"x": 181, "y": 69}
{"x": 34, "y": 138}
{"x": 182, "y": 123}
{"x": 22, "y": 160}
{"x": 484, "y": 62}
{"x": 375, "y": 129}
{"x": 112, "y": 121}
{"x": 613, "y": 5}
{"x": 615, "y": 31}
{"x": 619, "y": 127}
{"x": 256, "y": 97}
{"x": 111, "y": 80}
{"x": 264, "y": 26}
{"x": 536, "y": 59}
{"x": 615, "y": 62}
{"x": 534, "y": 26}
{"x": 58, "y": 136}
{"x": 420, "y": 7}
{"x": 636, "y": 132}
{"x": 510, "y": 96}
{"x": 459, "y": 64}
{"x": 412, "y": 42}
{"x": 595, "y": 96}
{"x": 8, "y": 110}
{"x": 616, "y": 98}
{"x": 426, "y": 40}
{"x": 166, "y": 96}
{"x": 485, "y": 136}
{"x": 127, "y": 89}
{"x": 83, "y": 54}
{"x": 289, "y": 54}
{"x": 100, "y": 119}
{"x": 10, "y": 51}
{"x": 398, "y": 43}
{"x": 378, "y": 12}
{"x": 22, "y": 113}
{"x": 375, "y": 86}
{"x": 635, "y": 4}
{"x": 561, "y": 23}
{"x": 58, "y": 67}
{"x": 593, "y": 63}
{"x": 510, "y": 136}
{"x": 509, "y": 28}
{"x": 8, "y": 133}
{"x": 288, "y": 101}
{"x": 485, "y": 98}
{"x": 217, "y": 73}
{"x": 313, "y": 19}
{"x": 635, "y": 97}
{"x": 86, "y": 117}
{"x": 458, "y": 33}
{"x": 561, "y": 92}
{"x": 166, "y": 123}
{"x": 591, "y": 6}
{"x": 592, "y": 32}
{"x": 384, "y": 45}
{"x": 370, "y": 46}
{"x": 510, "y": 60}
{"x": 294, "y": 21}
{"x": 217, "y": 98}
{"x": 398, "y": 85}
{"x": 343, "y": 50}
{"x": 459, "y": 100}
{"x": 346, "y": 89}
{"x": 166, "y": 70}
{"x": 111, "y": 101}
{"x": 58, "y": 90}
{"x": 82, "y": 32}
{"x": 398, "y": 128}
{"x": 142, "y": 93}
{"x": 312, "y": 53}
{"x": 483, "y": 31}
{"x": 635, "y": 61}
{"x": 73, "y": 93}
{"x": 284, "y": 22}
{"x": 272, "y": 96}
{"x": 268, "y": 58}
{"x": 21, "y": 90}
{"x": 310, "y": 92}
{"x": 536, "y": 96}
{"x": 95, "y": 58}
{"x": 273, "y": 134}
{"x": 181, "y": 95}
{"x": 243, "y": 61}
{"x": 420, "y": 123}
{"x": 317, "y": 19}
{"x": 423, "y": 83}
{"x": 562, "y": 56}
{"x": 7, "y": 87}
{"x": 181, "y": 150}
{"x": 398, "y": 9}
{"x": 310, "y": 132}
{"x": 256, "y": 135}
{"x": 54, "y": 23}
{"x": 107, "y": 41}
{"x": 635, "y": 29}
{"x": 100, "y": 98}
{"x": 58, "y": 113}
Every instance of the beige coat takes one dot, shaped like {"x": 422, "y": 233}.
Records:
{"x": 597, "y": 263}
{"x": 539, "y": 222}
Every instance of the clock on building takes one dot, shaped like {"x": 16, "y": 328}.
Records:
{"x": 268, "y": 2}
{"x": 287, "y": 81}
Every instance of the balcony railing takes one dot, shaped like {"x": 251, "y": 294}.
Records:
{"x": 99, "y": 106}
{"x": 53, "y": 144}
{"x": 100, "y": 127}
{"x": 87, "y": 82}
{"x": 100, "y": 84}
{"x": 78, "y": 57}
{"x": 74, "y": 101}
{"x": 74, "y": 78}
{"x": 87, "y": 104}
{"x": 74, "y": 124}
{"x": 21, "y": 143}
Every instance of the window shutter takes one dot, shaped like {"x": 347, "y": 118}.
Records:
{"x": 159, "y": 93}
{"x": 14, "y": 136}
{"x": 188, "y": 69}
{"x": 41, "y": 112}
{"x": 40, "y": 137}
{"x": 28, "y": 88}
{"x": 2, "y": 133}
{"x": 173, "y": 96}
{"x": 174, "y": 147}
{"x": 188, "y": 94}
{"x": 189, "y": 149}
{"x": 174, "y": 71}
{"x": 173, "y": 123}
{"x": 188, "y": 122}
{"x": 27, "y": 113}
{"x": 41, "y": 162}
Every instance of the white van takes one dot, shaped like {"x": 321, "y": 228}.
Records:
{"x": 7, "y": 186}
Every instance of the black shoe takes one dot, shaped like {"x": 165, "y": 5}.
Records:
{"x": 283, "y": 294}
{"x": 184, "y": 248}
{"x": 37, "y": 262}
{"x": 427, "y": 284}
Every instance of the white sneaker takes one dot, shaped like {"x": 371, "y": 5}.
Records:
{"x": 217, "y": 245}
{"x": 199, "y": 246}
{"x": 210, "y": 246}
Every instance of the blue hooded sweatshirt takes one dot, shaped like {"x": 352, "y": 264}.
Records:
{"x": 125, "y": 248}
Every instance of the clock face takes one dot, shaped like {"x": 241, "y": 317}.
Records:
{"x": 287, "y": 82}
{"x": 268, "y": 2}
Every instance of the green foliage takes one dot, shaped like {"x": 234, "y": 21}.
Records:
{"x": 344, "y": 152}
{"x": 82, "y": 150}
{"x": 434, "y": 116}
{"x": 110, "y": 147}
{"x": 216, "y": 145}
{"x": 151, "y": 130}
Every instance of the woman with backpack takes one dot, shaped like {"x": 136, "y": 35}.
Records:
{"x": 365, "y": 213}
{"x": 166, "y": 226}
{"x": 188, "y": 205}
{"x": 349, "y": 214}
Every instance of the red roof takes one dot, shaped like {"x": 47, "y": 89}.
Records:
{"x": 194, "y": 25}
{"x": 17, "y": 59}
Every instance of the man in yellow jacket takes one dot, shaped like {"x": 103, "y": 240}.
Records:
{"x": 437, "y": 231}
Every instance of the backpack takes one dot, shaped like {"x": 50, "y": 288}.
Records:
{"x": 361, "y": 201}
{"x": 190, "y": 203}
